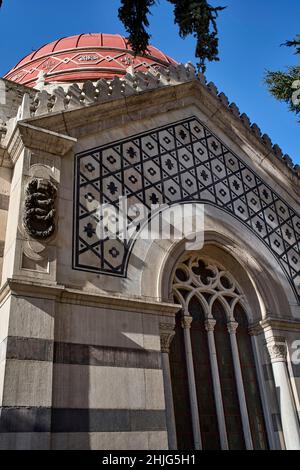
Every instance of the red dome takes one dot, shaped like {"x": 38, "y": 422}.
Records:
{"x": 84, "y": 57}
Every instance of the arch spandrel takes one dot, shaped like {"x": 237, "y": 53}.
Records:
{"x": 247, "y": 259}
{"x": 180, "y": 162}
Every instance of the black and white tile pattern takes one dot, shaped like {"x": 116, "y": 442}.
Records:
{"x": 180, "y": 162}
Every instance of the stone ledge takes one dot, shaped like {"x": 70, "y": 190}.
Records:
{"x": 63, "y": 294}
{"x": 272, "y": 323}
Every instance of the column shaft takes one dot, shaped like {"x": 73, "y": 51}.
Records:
{"x": 209, "y": 325}
{"x": 186, "y": 324}
{"x": 232, "y": 326}
{"x": 166, "y": 335}
{"x": 171, "y": 426}
{"x": 263, "y": 393}
{"x": 289, "y": 418}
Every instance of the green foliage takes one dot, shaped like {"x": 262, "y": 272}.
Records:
{"x": 195, "y": 17}
{"x": 134, "y": 16}
{"x": 283, "y": 85}
{"x": 295, "y": 43}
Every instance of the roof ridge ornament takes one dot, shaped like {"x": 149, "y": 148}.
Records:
{"x": 41, "y": 81}
{"x": 88, "y": 93}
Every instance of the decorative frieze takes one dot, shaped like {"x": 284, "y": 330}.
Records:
{"x": 49, "y": 99}
{"x": 88, "y": 93}
{"x": 180, "y": 162}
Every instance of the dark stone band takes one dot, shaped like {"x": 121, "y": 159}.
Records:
{"x": 59, "y": 420}
{"x": 31, "y": 349}
{"x": 2, "y": 243}
{"x": 68, "y": 353}
{"x": 4, "y": 202}
{"x": 28, "y": 349}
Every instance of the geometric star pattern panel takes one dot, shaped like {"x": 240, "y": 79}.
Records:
{"x": 183, "y": 161}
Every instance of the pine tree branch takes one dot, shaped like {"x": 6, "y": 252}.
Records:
{"x": 281, "y": 86}
{"x": 195, "y": 17}
{"x": 285, "y": 85}
{"x": 134, "y": 16}
{"x": 199, "y": 18}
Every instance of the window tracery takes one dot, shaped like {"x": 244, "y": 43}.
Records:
{"x": 213, "y": 358}
{"x": 198, "y": 276}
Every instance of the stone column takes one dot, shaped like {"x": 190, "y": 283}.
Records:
{"x": 262, "y": 389}
{"x": 186, "y": 325}
{"x": 290, "y": 424}
{"x": 210, "y": 326}
{"x": 232, "y": 327}
{"x": 166, "y": 335}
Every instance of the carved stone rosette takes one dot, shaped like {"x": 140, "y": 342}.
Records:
{"x": 39, "y": 208}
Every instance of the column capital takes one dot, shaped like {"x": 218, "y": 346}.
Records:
{"x": 232, "y": 327}
{"x": 186, "y": 322}
{"x": 167, "y": 334}
{"x": 210, "y": 324}
{"x": 255, "y": 330}
{"x": 277, "y": 349}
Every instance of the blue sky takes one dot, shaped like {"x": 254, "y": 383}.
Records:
{"x": 251, "y": 32}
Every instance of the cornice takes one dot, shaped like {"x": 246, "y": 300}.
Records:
{"x": 92, "y": 118}
{"x": 10, "y": 85}
{"x": 4, "y": 158}
{"x": 14, "y": 146}
{"x": 86, "y": 95}
{"x": 46, "y": 140}
{"x": 280, "y": 324}
{"x": 82, "y": 107}
{"x": 63, "y": 294}
{"x": 36, "y": 138}
{"x": 272, "y": 324}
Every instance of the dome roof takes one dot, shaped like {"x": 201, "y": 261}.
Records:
{"x": 84, "y": 57}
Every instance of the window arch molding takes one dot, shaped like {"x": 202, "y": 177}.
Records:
{"x": 259, "y": 280}
{"x": 263, "y": 276}
{"x": 253, "y": 300}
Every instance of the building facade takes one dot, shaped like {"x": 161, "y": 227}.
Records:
{"x": 142, "y": 342}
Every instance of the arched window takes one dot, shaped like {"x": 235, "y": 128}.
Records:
{"x": 215, "y": 389}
